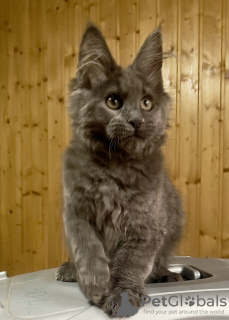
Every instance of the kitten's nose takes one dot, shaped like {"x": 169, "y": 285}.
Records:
{"x": 136, "y": 122}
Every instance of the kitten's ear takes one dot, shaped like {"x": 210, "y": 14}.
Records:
{"x": 95, "y": 60}
{"x": 149, "y": 59}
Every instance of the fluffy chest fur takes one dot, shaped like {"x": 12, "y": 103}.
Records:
{"x": 120, "y": 199}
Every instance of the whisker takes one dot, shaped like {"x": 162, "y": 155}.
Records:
{"x": 115, "y": 143}
{"x": 112, "y": 143}
{"x": 110, "y": 148}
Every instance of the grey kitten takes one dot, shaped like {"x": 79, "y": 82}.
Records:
{"x": 122, "y": 214}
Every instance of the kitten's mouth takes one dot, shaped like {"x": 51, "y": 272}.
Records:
{"x": 135, "y": 138}
{"x": 126, "y": 138}
{"x": 137, "y": 135}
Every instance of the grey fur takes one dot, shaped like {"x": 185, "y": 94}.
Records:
{"x": 122, "y": 214}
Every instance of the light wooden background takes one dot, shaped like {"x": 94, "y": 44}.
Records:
{"x": 39, "y": 43}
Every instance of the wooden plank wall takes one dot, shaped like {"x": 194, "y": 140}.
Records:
{"x": 39, "y": 42}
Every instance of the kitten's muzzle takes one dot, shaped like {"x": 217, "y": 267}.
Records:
{"x": 136, "y": 122}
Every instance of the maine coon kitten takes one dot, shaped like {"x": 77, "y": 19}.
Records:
{"x": 122, "y": 214}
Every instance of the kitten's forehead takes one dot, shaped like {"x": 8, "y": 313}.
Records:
{"x": 130, "y": 84}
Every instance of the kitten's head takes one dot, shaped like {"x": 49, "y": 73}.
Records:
{"x": 116, "y": 110}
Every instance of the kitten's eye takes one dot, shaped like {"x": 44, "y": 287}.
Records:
{"x": 114, "y": 101}
{"x": 146, "y": 104}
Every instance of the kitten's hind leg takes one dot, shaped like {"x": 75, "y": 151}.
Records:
{"x": 160, "y": 272}
{"x": 66, "y": 272}
{"x": 164, "y": 275}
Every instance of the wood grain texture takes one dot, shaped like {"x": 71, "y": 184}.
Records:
{"x": 23, "y": 94}
{"x": 210, "y": 126}
{"x": 38, "y": 53}
{"x": 55, "y": 104}
{"x": 188, "y": 125}
{"x": 168, "y": 18}
{"x": 127, "y": 30}
{"x": 6, "y": 54}
{"x": 225, "y": 136}
{"x": 109, "y": 25}
{"x": 147, "y": 19}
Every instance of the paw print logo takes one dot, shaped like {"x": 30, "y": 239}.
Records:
{"x": 190, "y": 301}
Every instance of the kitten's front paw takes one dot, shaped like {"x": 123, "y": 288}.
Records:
{"x": 94, "y": 279}
{"x": 123, "y": 302}
{"x": 66, "y": 272}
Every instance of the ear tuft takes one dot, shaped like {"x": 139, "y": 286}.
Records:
{"x": 149, "y": 58}
{"x": 95, "y": 59}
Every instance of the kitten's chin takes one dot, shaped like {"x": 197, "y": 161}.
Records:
{"x": 136, "y": 147}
